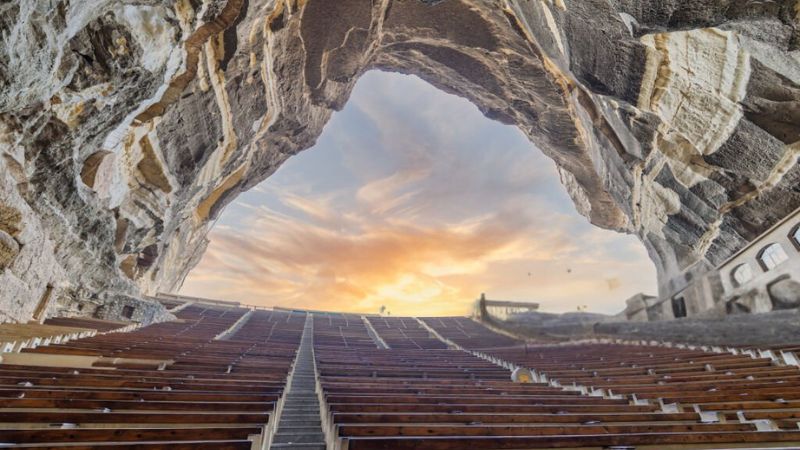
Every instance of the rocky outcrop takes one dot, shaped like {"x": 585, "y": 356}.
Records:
{"x": 126, "y": 126}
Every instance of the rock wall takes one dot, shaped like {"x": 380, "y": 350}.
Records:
{"x": 770, "y": 329}
{"x": 127, "y": 126}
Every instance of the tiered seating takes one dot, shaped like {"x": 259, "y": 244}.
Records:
{"x": 468, "y": 333}
{"x": 341, "y": 330}
{"x": 731, "y": 386}
{"x": 86, "y": 322}
{"x": 169, "y": 385}
{"x": 272, "y": 326}
{"x": 15, "y": 337}
{"x": 449, "y": 399}
{"x": 706, "y": 398}
{"x": 211, "y": 379}
{"x": 404, "y": 333}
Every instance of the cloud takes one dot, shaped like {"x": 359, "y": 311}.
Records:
{"x": 411, "y": 268}
{"x": 415, "y": 201}
{"x": 277, "y": 259}
{"x": 613, "y": 283}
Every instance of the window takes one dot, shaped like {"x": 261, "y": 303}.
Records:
{"x": 772, "y": 255}
{"x": 741, "y": 274}
{"x": 795, "y": 236}
{"x": 127, "y": 311}
{"x": 678, "y": 307}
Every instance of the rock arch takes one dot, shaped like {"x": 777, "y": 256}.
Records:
{"x": 675, "y": 120}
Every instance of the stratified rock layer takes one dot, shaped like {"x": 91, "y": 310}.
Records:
{"x": 126, "y": 126}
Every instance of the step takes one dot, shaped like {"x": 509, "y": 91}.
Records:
{"x": 300, "y": 426}
{"x": 300, "y": 416}
{"x": 298, "y": 438}
{"x": 304, "y": 418}
{"x": 300, "y": 423}
{"x": 300, "y": 429}
{"x": 289, "y": 406}
{"x": 294, "y": 409}
{"x": 310, "y": 446}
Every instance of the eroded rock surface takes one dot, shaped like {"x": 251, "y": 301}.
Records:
{"x": 126, "y": 126}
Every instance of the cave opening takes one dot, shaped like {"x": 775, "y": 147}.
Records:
{"x": 413, "y": 202}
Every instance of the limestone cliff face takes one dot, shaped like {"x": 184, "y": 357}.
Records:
{"x": 126, "y": 126}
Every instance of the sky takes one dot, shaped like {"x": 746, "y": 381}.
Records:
{"x": 411, "y": 199}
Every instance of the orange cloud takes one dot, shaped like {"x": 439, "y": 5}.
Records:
{"x": 411, "y": 269}
{"x": 416, "y": 202}
{"x": 396, "y": 264}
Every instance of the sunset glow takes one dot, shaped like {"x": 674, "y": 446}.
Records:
{"x": 413, "y": 200}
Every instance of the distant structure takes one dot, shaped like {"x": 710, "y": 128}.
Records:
{"x": 502, "y": 309}
{"x": 763, "y": 276}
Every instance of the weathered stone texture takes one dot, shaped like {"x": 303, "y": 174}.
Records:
{"x": 785, "y": 294}
{"x": 126, "y": 126}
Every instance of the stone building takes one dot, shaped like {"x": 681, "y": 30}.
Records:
{"x": 763, "y": 276}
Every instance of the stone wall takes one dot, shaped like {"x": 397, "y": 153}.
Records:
{"x": 127, "y": 126}
{"x": 767, "y": 329}
{"x": 716, "y": 292}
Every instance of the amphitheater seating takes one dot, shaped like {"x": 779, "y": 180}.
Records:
{"x": 407, "y": 397}
{"x": 468, "y": 333}
{"x": 212, "y": 380}
{"x": 169, "y": 385}
{"x": 404, "y": 333}
{"x": 720, "y": 388}
{"x": 87, "y": 323}
{"x": 341, "y": 330}
{"x": 16, "y": 337}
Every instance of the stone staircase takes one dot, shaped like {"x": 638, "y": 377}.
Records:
{"x": 300, "y": 427}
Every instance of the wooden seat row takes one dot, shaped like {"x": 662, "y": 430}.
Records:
{"x": 100, "y": 325}
{"x": 341, "y": 330}
{"x": 165, "y": 386}
{"x": 404, "y": 333}
{"x": 408, "y": 397}
{"x": 723, "y": 388}
{"x": 17, "y": 337}
{"x": 214, "y": 378}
